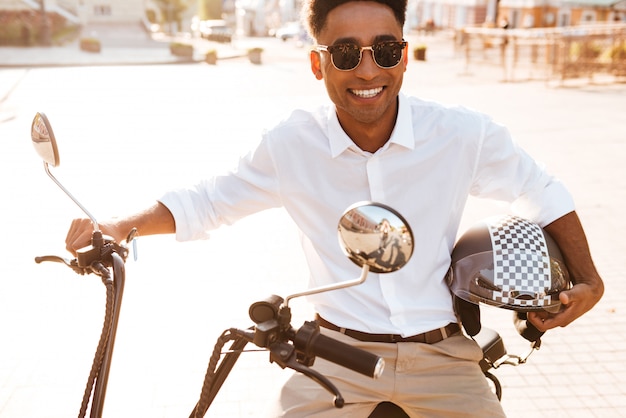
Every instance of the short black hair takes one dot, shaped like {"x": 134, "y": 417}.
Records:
{"x": 315, "y": 12}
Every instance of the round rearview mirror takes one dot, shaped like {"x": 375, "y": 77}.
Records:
{"x": 43, "y": 140}
{"x": 376, "y": 235}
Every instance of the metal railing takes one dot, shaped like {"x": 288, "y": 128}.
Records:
{"x": 549, "y": 53}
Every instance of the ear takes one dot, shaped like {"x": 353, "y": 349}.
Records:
{"x": 316, "y": 64}
{"x": 405, "y": 56}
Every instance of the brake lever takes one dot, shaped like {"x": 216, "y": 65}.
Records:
{"x": 73, "y": 264}
{"x": 284, "y": 354}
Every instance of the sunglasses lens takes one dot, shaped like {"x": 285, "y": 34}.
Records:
{"x": 345, "y": 56}
{"x": 388, "y": 54}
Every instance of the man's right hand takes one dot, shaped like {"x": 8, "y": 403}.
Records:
{"x": 156, "y": 219}
{"x": 81, "y": 230}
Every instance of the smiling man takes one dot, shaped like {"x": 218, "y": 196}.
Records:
{"x": 364, "y": 91}
{"x": 375, "y": 143}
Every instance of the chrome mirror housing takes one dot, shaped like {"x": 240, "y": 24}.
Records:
{"x": 375, "y": 235}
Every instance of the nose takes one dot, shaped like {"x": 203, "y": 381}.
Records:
{"x": 367, "y": 68}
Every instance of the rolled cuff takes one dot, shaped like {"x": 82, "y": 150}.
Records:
{"x": 187, "y": 227}
{"x": 546, "y": 205}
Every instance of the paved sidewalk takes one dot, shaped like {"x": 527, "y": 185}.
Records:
{"x": 122, "y": 45}
{"x": 157, "y": 53}
{"x": 579, "y": 129}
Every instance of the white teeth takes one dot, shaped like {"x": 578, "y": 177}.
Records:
{"x": 367, "y": 93}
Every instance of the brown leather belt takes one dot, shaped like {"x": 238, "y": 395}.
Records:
{"x": 429, "y": 337}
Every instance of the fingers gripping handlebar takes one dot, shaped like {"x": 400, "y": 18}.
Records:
{"x": 95, "y": 258}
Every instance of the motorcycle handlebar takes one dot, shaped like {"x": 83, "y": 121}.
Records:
{"x": 314, "y": 344}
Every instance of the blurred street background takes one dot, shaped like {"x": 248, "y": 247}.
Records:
{"x": 135, "y": 120}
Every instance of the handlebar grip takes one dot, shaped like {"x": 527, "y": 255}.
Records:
{"x": 318, "y": 345}
{"x": 345, "y": 355}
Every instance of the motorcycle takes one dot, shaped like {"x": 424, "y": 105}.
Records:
{"x": 372, "y": 235}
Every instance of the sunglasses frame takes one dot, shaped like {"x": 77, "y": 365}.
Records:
{"x": 328, "y": 48}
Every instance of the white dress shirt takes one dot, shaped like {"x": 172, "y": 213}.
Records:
{"x": 435, "y": 158}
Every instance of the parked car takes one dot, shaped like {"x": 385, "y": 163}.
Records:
{"x": 215, "y": 30}
{"x": 290, "y": 30}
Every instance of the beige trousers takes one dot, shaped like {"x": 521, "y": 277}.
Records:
{"x": 438, "y": 380}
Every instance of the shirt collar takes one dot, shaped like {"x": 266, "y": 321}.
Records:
{"x": 402, "y": 133}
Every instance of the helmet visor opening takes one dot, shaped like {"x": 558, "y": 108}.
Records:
{"x": 522, "y": 285}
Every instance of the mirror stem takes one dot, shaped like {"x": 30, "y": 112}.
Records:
{"x": 93, "y": 220}
{"x": 364, "y": 271}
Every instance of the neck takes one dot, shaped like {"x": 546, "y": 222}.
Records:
{"x": 371, "y": 136}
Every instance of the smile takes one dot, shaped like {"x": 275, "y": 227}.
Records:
{"x": 366, "y": 94}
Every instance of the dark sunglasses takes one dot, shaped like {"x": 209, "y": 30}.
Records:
{"x": 346, "y": 57}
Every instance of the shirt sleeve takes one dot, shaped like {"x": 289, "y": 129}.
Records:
{"x": 224, "y": 199}
{"x": 504, "y": 171}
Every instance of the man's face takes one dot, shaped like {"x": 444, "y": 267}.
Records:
{"x": 366, "y": 94}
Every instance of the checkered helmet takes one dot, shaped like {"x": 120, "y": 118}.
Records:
{"x": 508, "y": 262}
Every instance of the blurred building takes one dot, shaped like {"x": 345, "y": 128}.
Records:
{"x": 558, "y": 13}
{"x": 446, "y": 13}
{"x": 83, "y": 11}
{"x": 454, "y": 14}
{"x": 262, "y": 17}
